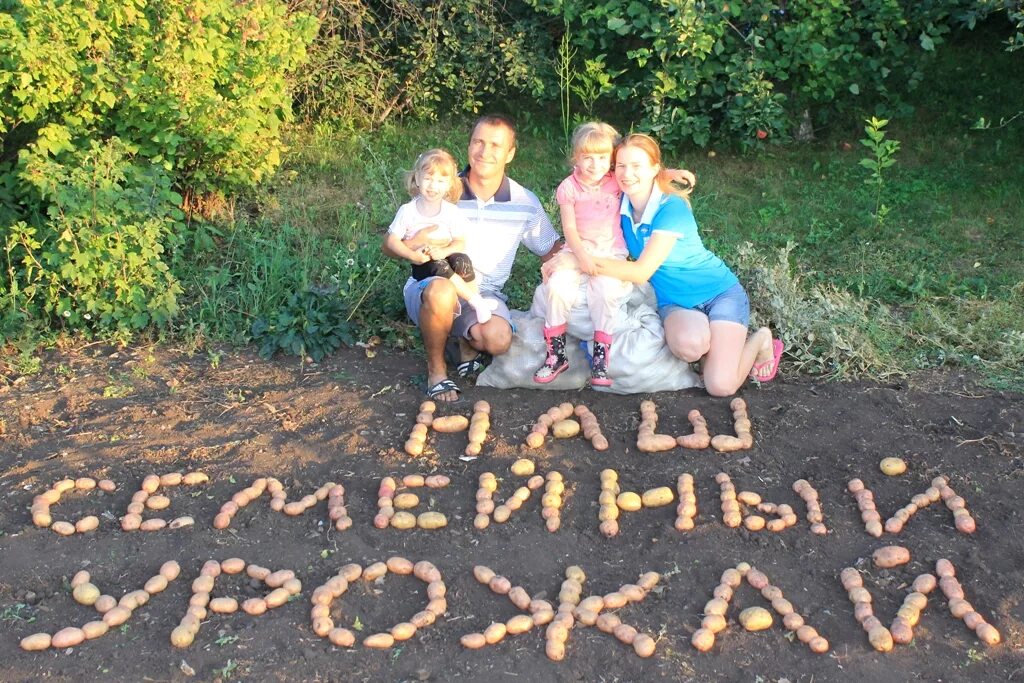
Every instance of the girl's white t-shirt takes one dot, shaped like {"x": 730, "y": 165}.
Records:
{"x": 409, "y": 221}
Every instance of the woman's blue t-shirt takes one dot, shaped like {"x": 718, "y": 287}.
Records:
{"x": 691, "y": 275}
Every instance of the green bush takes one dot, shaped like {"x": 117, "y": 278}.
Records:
{"x": 148, "y": 96}
{"x": 95, "y": 262}
{"x": 748, "y": 70}
{"x": 373, "y": 61}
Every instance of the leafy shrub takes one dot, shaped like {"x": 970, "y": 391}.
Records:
{"x": 376, "y": 60}
{"x": 95, "y": 261}
{"x": 747, "y": 70}
{"x": 104, "y": 108}
{"x": 310, "y": 323}
{"x": 826, "y": 331}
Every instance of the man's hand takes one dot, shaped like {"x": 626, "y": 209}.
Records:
{"x": 421, "y": 257}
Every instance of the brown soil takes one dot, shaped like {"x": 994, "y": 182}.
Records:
{"x": 122, "y": 415}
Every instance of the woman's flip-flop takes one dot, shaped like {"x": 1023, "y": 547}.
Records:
{"x": 777, "y": 349}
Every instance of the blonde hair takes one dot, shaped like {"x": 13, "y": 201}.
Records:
{"x": 593, "y": 138}
{"x": 434, "y": 160}
{"x": 648, "y": 145}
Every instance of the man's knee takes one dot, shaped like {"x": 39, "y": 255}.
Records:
{"x": 439, "y": 296}
{"x": 493, "y": 337}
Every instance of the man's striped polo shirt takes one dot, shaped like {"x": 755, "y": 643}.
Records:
{"x": 496, "y": 227}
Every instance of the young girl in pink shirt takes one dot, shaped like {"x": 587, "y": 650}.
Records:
{"x": 589, "y": 200}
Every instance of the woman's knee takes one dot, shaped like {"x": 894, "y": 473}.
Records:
{"x": 689, "y": 348}
{"x": 720, "y": 384}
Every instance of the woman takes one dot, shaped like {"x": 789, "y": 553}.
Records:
{"x": 704, "y": 309}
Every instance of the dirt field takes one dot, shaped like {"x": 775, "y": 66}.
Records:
{"x": 121, "y": 416}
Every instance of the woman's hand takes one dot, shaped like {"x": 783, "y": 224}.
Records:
{"x": 587, "y": 264}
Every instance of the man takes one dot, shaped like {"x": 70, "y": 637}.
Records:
{"x": 501, "y": 214}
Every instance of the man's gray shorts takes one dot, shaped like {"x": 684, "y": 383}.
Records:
{"x": 465, "y": 315}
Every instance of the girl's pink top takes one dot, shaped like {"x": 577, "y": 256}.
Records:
{"x": 597, "y": 214}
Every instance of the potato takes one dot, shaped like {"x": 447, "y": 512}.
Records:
{"x": 181, "y": 522}
{"x": 375, "y": 571}
{"x": 715, "y": 623}
{"x": 448, "y": 424}
{"x": 625, "y": 633}
{"x": 755, "y": 619}
{"x": 565, "y": 429}
{"x": 473, "y": 641}
{"x": 203, "y": 584}
{"x": 522, "y": 467}
{"x": 254, "y": 606}
{"x": 379, "y": 641}
{"x": 182, "y": 636}
{"x": 404, "y": 501}
{"x": 341, "y": 637}
{"x": 702, "y": 639}
{"x": 403, "y": 631}
{"x": 657, "y": 497}
{"x": 155, "y": 524}
{"x": 224, "y": 605}
{"x": 756, "y": 578}
{"x": 655, "y": 443}
{"x": 117, "y": 616}
{"x": 880, "y": 639}
{"x": 277, "y": 597}
{"x": 431, "y": 520}
{"x": 754, "y": 522}
{"x": 500, "y": 585}
{"x": 521, "y": 623}
{"x": 94, "y": 629}
{"x": 63, "y": 528}
{"x": 988, "y": 634}
{"x": 892, "y": 466}
{"x": 403, "y": 520}
{"x": 818, "y": 645}
{"x": 193, "y": 478}
{"x": 87, "y": 524}
{"x": 495, "y": 633}
{"x": 891, "y": 556}
{"x": 901, "y": 631}
{"x": 105, "y": 603}
{"x": 792, "y": 621}
{"x": 232, "y": 565}
{"x": 36, "y": 642}
{"x": 629, "y": 501}
{"x": 158, "y": 502}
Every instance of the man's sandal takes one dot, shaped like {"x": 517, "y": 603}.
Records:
{"x": 443, "y": 387}
{"x": 473, "y": 366}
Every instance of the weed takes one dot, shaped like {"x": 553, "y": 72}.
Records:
{"x": 116, "y": 390}
{"x": 225, "y": 640}
{"x": 18, "y": 612}
{"x": 883, "y": 155}
{"x": 228, "y": 669}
